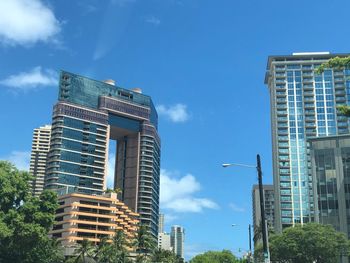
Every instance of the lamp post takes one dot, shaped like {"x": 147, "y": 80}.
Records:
{"x": 262, "y": 206}
{"x": 250, "y": 242}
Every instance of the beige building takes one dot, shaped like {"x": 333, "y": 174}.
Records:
{"x": 40, "y": 150}
{"x": 91, "y": 217}
{"x": 164, "y": 241}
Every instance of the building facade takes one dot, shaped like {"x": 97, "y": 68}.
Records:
{"x": 330, "y": 162}
{"x": 38, "y": 157}
{"x": 269, "y": 202}
{"x": 330, "y": 159}
{"x": 161, "y": 223}
{"x": 177, "y": 240}
{"x": 164, "y": 241}
{"x": 303, "y": 105}
{"x": 87, "y": 116}
{"x": 82, "y": 216}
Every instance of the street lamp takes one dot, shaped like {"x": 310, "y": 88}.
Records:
{"x": 250, "y": 241}
{"x": 262, "y": 206}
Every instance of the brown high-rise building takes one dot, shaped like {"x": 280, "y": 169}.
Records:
{"x": 87, "y": 116}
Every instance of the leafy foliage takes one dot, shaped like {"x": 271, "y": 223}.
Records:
{"x": 336, "y": 63}
{"x": 344, "y": 109}
{"x": 144, "y": 243}
{"x": 165, "y": 256}
{"x": 307, "y": 244}
{"x": 84, "y": 251}
{"x": 224, "y": 256}
{"x": 25, "y": 220}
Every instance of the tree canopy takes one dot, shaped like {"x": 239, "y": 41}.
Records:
{"x": 308, "y": 243}
{"x": 339, "y": 64}
{"x": 224, "y": 256}
{"x": 25, "y": 220}
{"x": 335, "y": 63}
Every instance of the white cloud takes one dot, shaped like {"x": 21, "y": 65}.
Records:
{"x": 26, "y": 22}
{"x": 176, "y": 194}
{"x": 111, "y": 167}
{"x": 20, "y": 159}
{"x": 31, "y": 80}
{"x": 176, "y": 113}
{"x": 153, "y": 20}
{"x": 169, "y": 218}
{"x": 236, "y": 208}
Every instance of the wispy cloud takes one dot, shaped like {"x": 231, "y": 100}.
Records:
{"x": 20, "y": 159}
{"x": 26, "y": 22}
{"x": 122, "y": 2}
{"x": 152, "y": 20}
{"x": 237, "y": 208}
{"x": 87, "y": 8}
{"x": 169, "y": 218}
{"x": 115, "y": 23}
{"x": 35, "y": 78}
{"x": 176, "y": 113}
{"x": 177, "y": 194}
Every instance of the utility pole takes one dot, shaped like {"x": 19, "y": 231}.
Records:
{"x": 262, "y": 209}
{"x": 250, "y": 243}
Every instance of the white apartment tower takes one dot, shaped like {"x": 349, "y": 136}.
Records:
{"x": 177, "y": 240}
{"x": 40, "y": 150}
{"x": 303, "y": 106}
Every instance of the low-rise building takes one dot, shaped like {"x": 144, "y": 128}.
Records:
{"x": 82, "y": 216}
{"x": 164, "y": 241}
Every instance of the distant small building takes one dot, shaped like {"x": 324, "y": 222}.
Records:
{"x": 82, "y": 216}
{"x": 161, "y": 223}
{"x": 164, "y": 241}
{"x": 177, "y": 240}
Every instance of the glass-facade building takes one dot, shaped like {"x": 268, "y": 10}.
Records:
{"x": 330, "y": 163}
{"x": 303, "y": 105}
{"x": 87, "y": 115}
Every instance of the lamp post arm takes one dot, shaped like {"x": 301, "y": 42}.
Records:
{"x": 238, "y": 164}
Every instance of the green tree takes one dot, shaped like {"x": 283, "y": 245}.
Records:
{"x": 120, "y": 247}
{"x": 335, "y": 63}
{"x": 104, "y": 251}
{"x": 115, "y": 251}
{"x": 165, "y": 256}
{"x": 307, "y": 244}
{"x": 224, "y": 256}
{"x": 25, "y": 220}
{"x": 144, "y": 243}
{"x": 338, "y": 64}
{"x": 85, "y": 251}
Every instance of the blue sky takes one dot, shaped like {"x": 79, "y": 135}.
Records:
{"x": 203, "y": 62}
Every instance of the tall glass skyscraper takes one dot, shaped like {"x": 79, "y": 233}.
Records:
{"x": 303, "y": 105}
{"x": 87, "y": 115}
